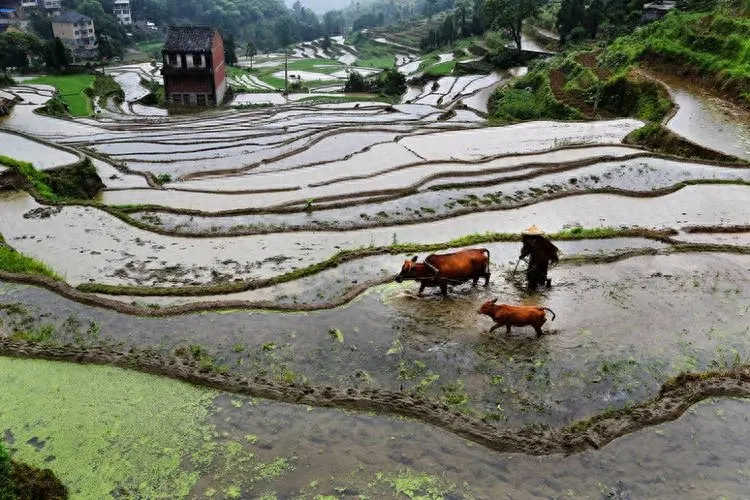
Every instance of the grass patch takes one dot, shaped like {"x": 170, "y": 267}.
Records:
{"x": 152, "y": 49}
{"x": 314, "y": 65}
{"x": 441, "y": 69}
{"x": 530, "y": 98}
{"x": 381, "y": 62}
{"x": 72, "y": 89}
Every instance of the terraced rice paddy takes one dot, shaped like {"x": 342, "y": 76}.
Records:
{"x": 261, "y": 270}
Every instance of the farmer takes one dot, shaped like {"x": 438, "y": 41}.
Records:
{"x": 541, "y": 254}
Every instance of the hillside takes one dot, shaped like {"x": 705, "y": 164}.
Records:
{"x": 713, "y": 47}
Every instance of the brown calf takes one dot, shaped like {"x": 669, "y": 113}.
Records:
{"x": 504, "y": 314}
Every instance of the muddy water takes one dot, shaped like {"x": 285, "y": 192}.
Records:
{"x": 250, "y": 447}
{"x": 697, "y": 456}
{"x": 116, "y": 252}
{"x": 398, "y": 179}
{"x": 620, "y": 330}
{"x": 331, "y": 284}
{"x": 521, "y": 138}
{"x": 379, "y": 157}
{"x": 43, "y": 157}
{"x": 707, "y": 119}
{"x": 636, "y": 176}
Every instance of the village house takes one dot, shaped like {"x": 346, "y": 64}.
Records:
{"x": 656, "y": 10}
{"x": 77, "y": 32}
{"x": 121, "y": 10}
{"x": 194, "y": 70}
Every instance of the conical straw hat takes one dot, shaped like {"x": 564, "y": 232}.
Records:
{"x": 533, "y": 230}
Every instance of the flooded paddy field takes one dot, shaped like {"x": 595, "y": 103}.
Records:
{"x": 44, "y": 157}
{"x": 704, "y": 118}
{"x": 211, "y": 443}
{"x": 245, "y": 211}
{"x": 426, "y": 192}
{"x": 620, "y": 330}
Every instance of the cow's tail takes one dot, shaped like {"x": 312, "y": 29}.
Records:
{"x": 487, "y": 264}
{"x": 550, "y": 310}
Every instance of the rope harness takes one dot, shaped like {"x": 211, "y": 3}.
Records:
{"x": 436, "y": 276}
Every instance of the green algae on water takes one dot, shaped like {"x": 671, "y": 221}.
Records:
{"x": 104, "y": 430}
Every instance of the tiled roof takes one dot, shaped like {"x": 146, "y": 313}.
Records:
{"x": 189, "y": 38}
{"x": 70, "y": 17}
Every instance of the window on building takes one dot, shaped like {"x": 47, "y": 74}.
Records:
{"x": 186, "y": 99}
{"x": 200, "y": 100}
{"x": 177, "y": 98}
{"x": 196, "y": 59}
{"x": 210, "y": 100}
{"x": 172, "y": 59}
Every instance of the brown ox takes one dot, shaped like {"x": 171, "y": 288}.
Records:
{"x": 451, "y": 268}
{"x": 504, "y": 314}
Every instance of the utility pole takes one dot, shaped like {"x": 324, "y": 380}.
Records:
{"x": 286, "y": 71}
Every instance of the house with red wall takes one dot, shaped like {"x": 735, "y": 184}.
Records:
{"x": 193, "y": 66}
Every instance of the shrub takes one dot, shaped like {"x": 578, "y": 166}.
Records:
{"x": 391, "y": 82}
{"x": 5, "y": 80}
{"x": 357, "y": 83}
{"x": 163, "y": 178}
{"x": 56, "y": 106}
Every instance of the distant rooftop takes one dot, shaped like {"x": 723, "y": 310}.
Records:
{"x": 189, "y": 38}
{"x": 661, "y": 5}
{"x": 70, "y": 17}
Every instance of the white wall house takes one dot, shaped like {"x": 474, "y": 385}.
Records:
{"x": 121, "y": 10}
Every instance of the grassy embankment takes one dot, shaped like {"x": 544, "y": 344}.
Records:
{"x": 77, "y": 92}
{"x": 12, "y": 261}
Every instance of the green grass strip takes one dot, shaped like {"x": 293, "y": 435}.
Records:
{"x": 32, "y": 175}
{"x": 15, "y": 262}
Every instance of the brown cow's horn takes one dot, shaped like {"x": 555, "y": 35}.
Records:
{"x": 434, "y": 269}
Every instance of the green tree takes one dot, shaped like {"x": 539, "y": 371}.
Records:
{"x": 508, "y": 16}
{"x": 108, "y": 48}
{"x": 333, "y": 22}
{"x": 17, "y": 49}
{"x": 594, "y": 17}
{"x": 62, "y": 55}
{"x": 571, "y": 15}
{"x": 230, "y": 51}
{"x": 326, "y": 45}
{"x": 250, "y": 52}
{"x": 41, "y": 24}
{"x": 392, "y": 82}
